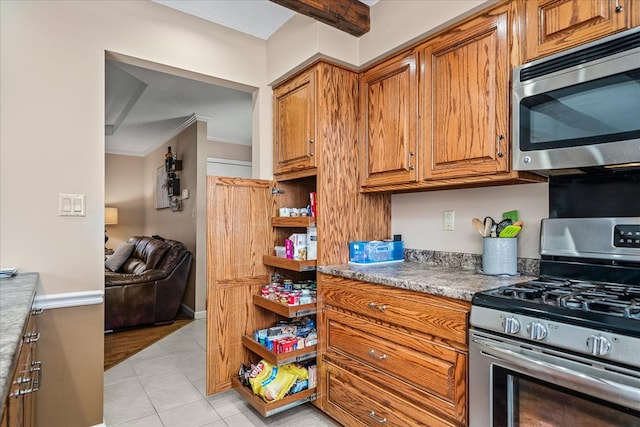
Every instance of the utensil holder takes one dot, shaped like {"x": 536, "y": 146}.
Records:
{"x": 500, "y": 255}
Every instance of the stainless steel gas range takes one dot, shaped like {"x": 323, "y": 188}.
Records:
{"x": 563, "y": 349}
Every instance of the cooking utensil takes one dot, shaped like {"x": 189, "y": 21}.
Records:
{"x": 519, "y": 223}
{"x": 502, "y": 224}
{"x": 510, "y": 231}
{"x": 488, "y": 225}
{"x": 512, "y": 215}
{"x": 478, "y": 225}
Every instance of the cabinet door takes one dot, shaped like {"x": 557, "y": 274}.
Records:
{"x": 555, "y": 25}
{"x": 465, "y": 99}
{"x": 238, "y": 236}
{"x": 388, "y": 102}
{"x": 295, "y": 124}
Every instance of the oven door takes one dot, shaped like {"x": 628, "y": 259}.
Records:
{"x": 513, "y": 383}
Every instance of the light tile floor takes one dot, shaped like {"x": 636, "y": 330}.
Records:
{"x": 164, "y": 386}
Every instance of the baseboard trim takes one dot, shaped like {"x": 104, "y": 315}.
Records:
{"x": 193, "y": 314}
{"x": 68, "y": 299}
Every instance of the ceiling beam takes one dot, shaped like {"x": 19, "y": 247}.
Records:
{"x": 350, "y": 16}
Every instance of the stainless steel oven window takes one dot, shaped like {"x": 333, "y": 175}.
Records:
{"x": 523, "y": 401}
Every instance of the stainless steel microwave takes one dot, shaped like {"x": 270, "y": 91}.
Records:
{"x": 579, "y": 108}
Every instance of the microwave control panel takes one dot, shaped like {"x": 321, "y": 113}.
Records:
{"x": 626, "y": 236}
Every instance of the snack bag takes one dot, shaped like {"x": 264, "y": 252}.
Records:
{"x": 270, "y": 382}
{"x": 296, "y": 369}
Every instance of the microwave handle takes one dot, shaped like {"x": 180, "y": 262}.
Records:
{"x": 599, "y": 387}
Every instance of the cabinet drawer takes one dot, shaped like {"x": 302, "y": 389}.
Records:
{"x": 357, "y": 402}
{"x": 437, "y": 316}
{"x": 428, "y": 367}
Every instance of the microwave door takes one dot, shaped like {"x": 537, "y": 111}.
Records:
{"x": 582, "y": 116}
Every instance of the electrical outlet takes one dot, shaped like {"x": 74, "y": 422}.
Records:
{"x": 448, "y": 220}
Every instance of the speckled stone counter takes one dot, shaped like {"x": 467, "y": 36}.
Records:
{"x": 453, "y": 282}
{"x": 16, "y": 298}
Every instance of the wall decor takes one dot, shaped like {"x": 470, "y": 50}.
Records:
{"x": 161, "y": 196}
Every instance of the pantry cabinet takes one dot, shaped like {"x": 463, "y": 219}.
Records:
{"x": 391, "y": 354}
{"x": 294, "y": 111}
{"x": 278, "y": 359}
{"x": 388, "y": 131}
{"x": 243, "y": 225}
{"x": 466, "y": 99}
{"x": 550, "y": 26}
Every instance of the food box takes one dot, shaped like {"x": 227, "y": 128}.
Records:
{"x": 376, "y": 251}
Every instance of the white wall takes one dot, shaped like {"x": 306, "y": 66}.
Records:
{"x": 52, "y": 60}
{"x": 418, "y": 217}
{"x": 52, "y": 133}
{"x": 394, "y": 24}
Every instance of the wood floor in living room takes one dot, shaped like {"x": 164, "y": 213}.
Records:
{"x": 121, "y": 345}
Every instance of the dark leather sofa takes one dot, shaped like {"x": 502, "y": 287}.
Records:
{"x": 149, "y": 286}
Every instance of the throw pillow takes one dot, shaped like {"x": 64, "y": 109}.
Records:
{"x": 134, "y": 266}
{"x": 120, "y": 255}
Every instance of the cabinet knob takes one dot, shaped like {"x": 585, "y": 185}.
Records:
{"x": 412, "y": 154}
{"x": 619, "y": 7}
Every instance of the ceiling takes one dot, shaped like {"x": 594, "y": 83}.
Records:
{"x": 145, "y": 108}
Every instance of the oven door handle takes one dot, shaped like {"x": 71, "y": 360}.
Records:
{"x": 602, "y": 388}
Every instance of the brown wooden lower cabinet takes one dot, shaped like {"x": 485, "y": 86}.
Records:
{"x": 391, "y": 356}
{"x": 19, "y": 410}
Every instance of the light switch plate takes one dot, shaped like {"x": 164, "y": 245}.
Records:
{"x": 448, "y": 220}
{"x": 71, "y": 204}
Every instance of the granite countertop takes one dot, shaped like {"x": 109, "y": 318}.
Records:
{"x": 453, "y": 282}
{"x": 16, "y": 299}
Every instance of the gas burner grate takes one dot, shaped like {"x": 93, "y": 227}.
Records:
{"x": 602, "y": 298}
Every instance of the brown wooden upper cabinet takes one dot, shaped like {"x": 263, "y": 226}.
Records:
{"x": 465, "y": 99}
{"x": 388, "y": 129}
{"x": 554, "y": 25}
{"x": 295, "y": 124}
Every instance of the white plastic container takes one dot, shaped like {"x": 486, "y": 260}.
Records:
{"x": 312, "y": 243}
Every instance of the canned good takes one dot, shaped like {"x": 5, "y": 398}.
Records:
{"x": 293, "y": 298}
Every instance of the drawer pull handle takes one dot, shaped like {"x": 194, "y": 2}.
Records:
{"x": 377, "y": 307}
{"x": 500, "y": 139}
{"x": 372, "y": 353}
{"x": 381, "y": 420}
{"x": 32, "y": 337}
{"x": 310, "y": 151}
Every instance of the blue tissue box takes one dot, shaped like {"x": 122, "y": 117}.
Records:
{"x": 376, "y": 251}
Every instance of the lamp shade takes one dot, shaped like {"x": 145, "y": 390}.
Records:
{"x": 110, "y": 216}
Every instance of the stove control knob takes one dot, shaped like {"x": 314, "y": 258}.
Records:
{"x": 598, "y": 345}
{"x": 537, "y": 331}
{"x": 511, "y": 325}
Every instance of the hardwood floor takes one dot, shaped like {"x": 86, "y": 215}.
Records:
{"x": 120, "y": 345}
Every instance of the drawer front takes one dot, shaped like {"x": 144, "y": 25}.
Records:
{"x": 437, "y": 316}
{"x": 357, "y": 402}
{"x": 429, "y": 367}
